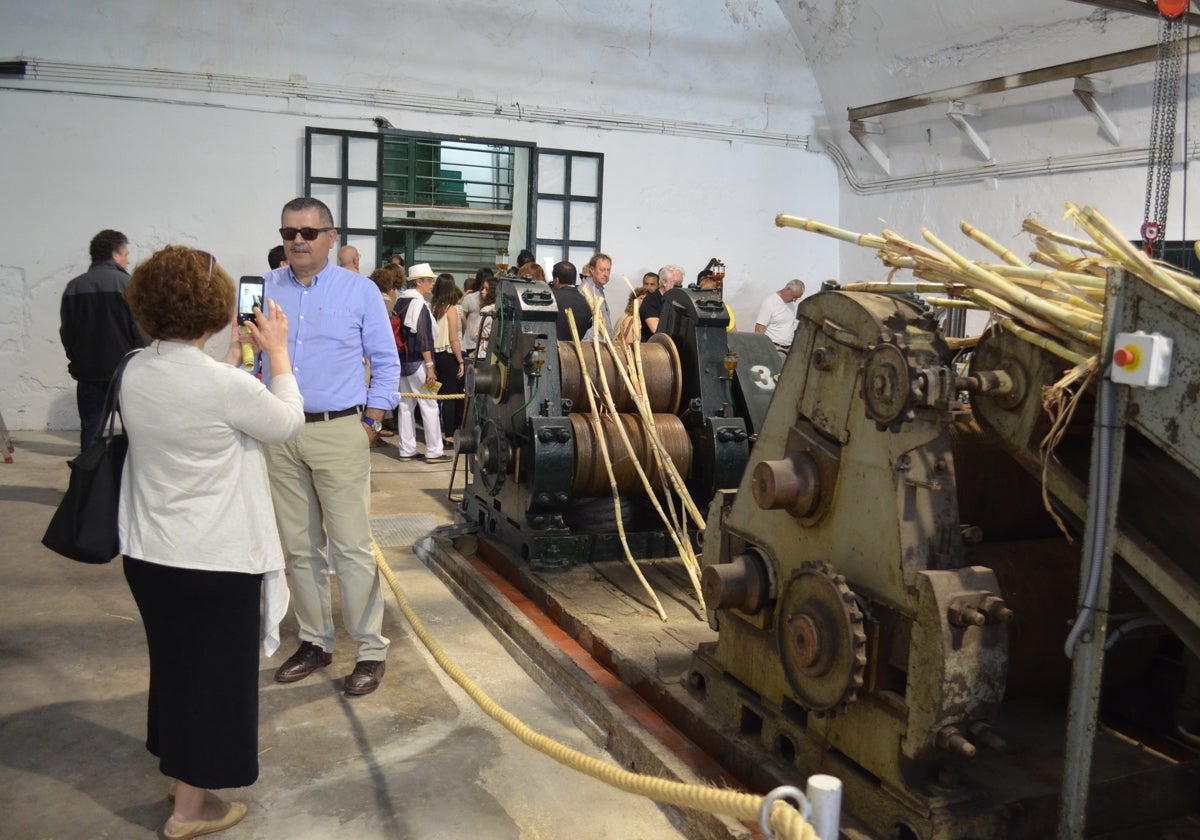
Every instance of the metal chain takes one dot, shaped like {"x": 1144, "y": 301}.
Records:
{"x": 1162, "y": 127}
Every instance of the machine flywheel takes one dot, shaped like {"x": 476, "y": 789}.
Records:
{"x": 820, "y": 637}
{"x": 889, "y": 384}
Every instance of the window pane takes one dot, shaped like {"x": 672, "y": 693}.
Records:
{"x": 366, "y": 252}
{"x": 549, "y": 219}
{"x": 362, "y": 159}
{"x": 585, "y": 176}
{"x": 579, "y": 256}
{"x": 360, "y": 210}
{"x": 548, "y": 255}
{"x": 326, "y": 156}
{"x": 330, "y": 194}
{"x": 551, "y": 174}
{"x": 583, "y": 221}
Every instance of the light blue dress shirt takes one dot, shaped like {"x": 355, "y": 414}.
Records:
{"x": 332, "y": 325}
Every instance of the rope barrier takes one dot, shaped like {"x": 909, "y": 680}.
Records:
{"x": 433, "y": 396}
{"x": 784, "y": 819}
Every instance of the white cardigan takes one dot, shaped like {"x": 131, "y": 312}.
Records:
{"x": 195, "y": 493}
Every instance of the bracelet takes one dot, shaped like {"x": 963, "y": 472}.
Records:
{"x": 429, "y": 364}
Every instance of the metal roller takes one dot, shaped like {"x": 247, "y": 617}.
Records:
{"x": 660, "y": 362}
{"x": 591, "y": 475}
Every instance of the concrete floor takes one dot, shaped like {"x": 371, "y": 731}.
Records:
{"x": 416, "y": 759}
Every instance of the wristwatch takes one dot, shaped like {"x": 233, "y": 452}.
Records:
{"x": 376, "y": 426}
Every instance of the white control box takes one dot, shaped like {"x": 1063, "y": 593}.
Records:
{"x": 1142, "y": 359}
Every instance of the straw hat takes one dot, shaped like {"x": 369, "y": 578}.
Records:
{"x": 421, "y": 271}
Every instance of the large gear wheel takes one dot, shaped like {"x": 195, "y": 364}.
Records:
{"x": 821, "y": 641}
{"x": 890, "y": 387}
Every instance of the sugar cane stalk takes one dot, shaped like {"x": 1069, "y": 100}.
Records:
{"x": 1039, "y": 230}
{"x": 689, "y": 561}
{"x": 598, "y": 429}
{"x": 992, "y": 245}
{"x": 1003, "y": 288}
{"x": 867, "y": 240}
{"x": 643, "y": 405}
{"x": 1045, "y": 342}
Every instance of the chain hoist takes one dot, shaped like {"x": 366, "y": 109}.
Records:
{"x": 1167, "y": 72}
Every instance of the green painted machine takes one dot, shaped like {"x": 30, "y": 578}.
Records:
{"x": 892, "y": 598}
{"x": 538, "y": 484}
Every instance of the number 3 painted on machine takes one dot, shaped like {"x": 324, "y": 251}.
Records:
{"x": 761, "y": 376}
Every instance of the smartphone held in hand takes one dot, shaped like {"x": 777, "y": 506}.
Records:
{"x": 250, "y": 295}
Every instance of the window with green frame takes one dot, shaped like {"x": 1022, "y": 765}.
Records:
{"x": 458, "y": 202}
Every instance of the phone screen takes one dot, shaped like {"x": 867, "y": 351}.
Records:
{"x": 250, "y": 295}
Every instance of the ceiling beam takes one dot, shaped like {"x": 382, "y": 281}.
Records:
{"x": 1138, "y": 7}
{"x": 1070, "y": 70}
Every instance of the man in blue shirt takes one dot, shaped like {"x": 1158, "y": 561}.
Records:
{"x": 593, "y": 286}
{"x": 320, "y": 481}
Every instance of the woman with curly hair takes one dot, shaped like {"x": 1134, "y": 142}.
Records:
{"x": 447, "y": 351}
{"x": 197, "y": 530}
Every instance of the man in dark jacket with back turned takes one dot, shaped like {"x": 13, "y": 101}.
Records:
{"x": 97, "y": 329}
{"x": 569, "y": 298}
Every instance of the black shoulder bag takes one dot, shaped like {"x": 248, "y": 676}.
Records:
{"x": 84, "y": 527}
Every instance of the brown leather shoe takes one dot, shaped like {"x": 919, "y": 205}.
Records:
{"x": 303, "y": 662}
{"x": 365, "y": 678}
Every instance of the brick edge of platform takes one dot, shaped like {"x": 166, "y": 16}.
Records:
{"x": 576, "y": 682}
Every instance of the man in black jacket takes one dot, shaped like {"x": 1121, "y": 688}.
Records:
{"x": 569, "y": 298}
{"x": 97, "y": 329}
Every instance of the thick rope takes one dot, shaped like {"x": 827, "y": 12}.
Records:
{"x": 433, "y": 396}
{"x": 785, "y": 820}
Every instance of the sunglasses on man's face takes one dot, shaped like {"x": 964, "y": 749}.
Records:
{"x": 307, "y": 234}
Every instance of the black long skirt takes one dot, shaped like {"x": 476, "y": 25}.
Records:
{"x": 202, "y": 631}
{"x": 445, "y": 368}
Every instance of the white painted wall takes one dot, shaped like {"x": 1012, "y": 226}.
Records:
{"x": 703, "y": 111}
{"x": 178, "y": 157}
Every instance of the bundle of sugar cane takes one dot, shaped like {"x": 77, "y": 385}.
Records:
{"x": 598, "y": 432}
{"x": 675, "y": 523}
{"x": 1059, "y": 307}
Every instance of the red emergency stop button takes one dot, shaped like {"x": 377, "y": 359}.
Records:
{"x": 1128, "y": 357}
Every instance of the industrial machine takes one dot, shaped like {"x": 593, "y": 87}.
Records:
{"x": 892, "y": 597}
{"x": 538, "y": 483}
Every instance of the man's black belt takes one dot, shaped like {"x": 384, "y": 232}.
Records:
{"x": 784, "y": 347}
{"x": 318, "y": 416}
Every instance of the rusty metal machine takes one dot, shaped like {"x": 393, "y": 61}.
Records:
{"x": 538, "y": 483}
{"x": 892, "y": 598}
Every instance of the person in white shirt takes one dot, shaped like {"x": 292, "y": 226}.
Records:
{"x": 777, "y": 316}
{"x": 196, "y": 525}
